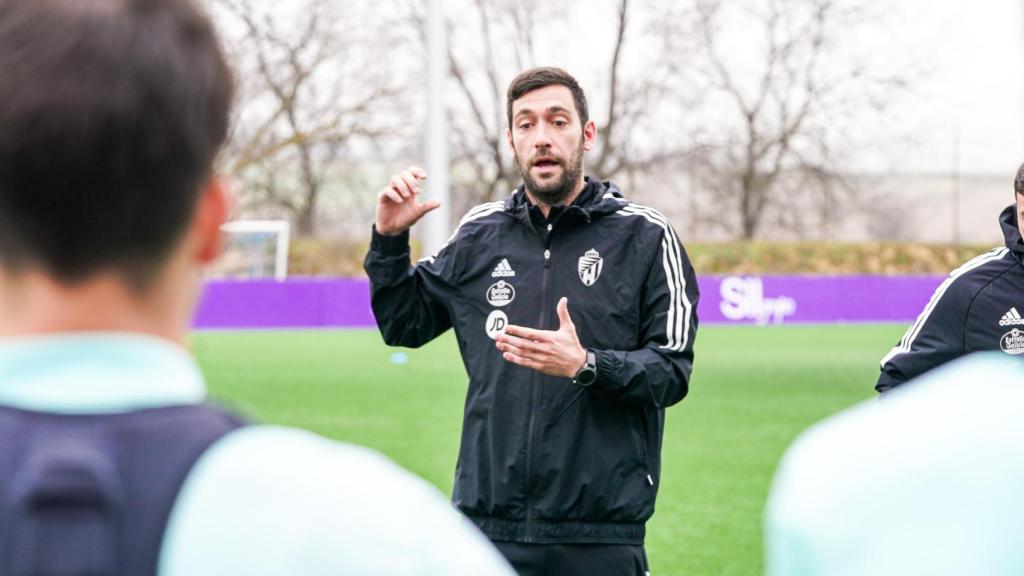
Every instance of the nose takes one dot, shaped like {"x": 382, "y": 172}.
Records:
{"x": 541, "y": 136}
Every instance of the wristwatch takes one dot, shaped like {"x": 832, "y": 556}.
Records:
{"x": 587, "y": 373}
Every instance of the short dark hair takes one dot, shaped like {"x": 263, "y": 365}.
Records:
{"x": 1018, "y": 182}
{"x": 537, "y": 78}
{"x": 112, "y": 113}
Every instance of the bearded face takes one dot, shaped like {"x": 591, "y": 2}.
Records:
{"x": 550, "y": 178}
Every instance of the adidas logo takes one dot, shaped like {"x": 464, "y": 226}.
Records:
{"x": 503, "y": 270}
{"x": 1011, "y": 318}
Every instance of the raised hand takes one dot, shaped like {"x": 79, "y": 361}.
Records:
{"x": 398, "y": 205}
{"x": 553, "y": 352}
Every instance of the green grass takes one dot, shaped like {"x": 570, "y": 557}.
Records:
{"x": 753, "y": 390}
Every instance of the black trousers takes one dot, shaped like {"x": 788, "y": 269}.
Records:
{"x": 575, "y": 559}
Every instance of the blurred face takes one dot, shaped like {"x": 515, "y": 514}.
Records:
{"x": 548, "y": 142}
{"x": 1020, "y": 213}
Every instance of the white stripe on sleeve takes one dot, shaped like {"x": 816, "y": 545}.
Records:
{"x": 907, "y": 342}
{"x": 680, "y": 308}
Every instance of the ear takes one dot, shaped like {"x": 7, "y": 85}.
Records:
{"x": 213, "y": 211}
{"x": 511, "y": 145}
{"x": 589, "y": 135}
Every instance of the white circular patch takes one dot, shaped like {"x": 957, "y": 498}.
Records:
{"x": 1012, "y": 342}
{"x": 496, "y": 324}
{"x": 500, "y": 293}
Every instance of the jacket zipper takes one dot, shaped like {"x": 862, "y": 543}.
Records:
{"x": 533, "y": 390}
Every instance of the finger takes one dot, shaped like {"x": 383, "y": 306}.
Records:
{"x": 410, "y": 181}
{"x": 399, "y": 185}
{"x": 528, "y": 333}
{"x": 522, "y": 343}
{"x": 521, "y": 361}
{"x": 428, "y": 206}
{"x": 391, "y": 195}
{"x": 506, "y": 347}
{"x": 563, "y": 313}
{"x": 418, "y": 172}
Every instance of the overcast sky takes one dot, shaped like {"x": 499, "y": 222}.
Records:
{"x": 975, "y": 86}
{"x": 970, "y": 88}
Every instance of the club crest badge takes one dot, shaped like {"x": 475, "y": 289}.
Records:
{"x": 589, "y": 267}
{"x": 500, "y": 293}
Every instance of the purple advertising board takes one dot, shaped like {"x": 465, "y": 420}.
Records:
{"x": 293, "y": 303}
{"x": 345, "y": 302}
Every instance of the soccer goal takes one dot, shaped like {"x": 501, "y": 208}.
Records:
{"x": 255, "y": 249}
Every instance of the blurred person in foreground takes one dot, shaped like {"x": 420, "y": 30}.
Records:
{"x": 111, "y": 115}
{"x": 978, "y": 308}
{"x": 575, "y": 313}
{"x": 926, "y": 482}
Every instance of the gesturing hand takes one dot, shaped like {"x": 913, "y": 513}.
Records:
{"x": 553, "y": 352}
{"x": 398, "y": 207}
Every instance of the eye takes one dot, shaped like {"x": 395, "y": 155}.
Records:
{"x": 525, "y": 126}
{"x": 560, "y": 123}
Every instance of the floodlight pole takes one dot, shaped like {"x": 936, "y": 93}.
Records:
{"x": 955, "y": 177}
{"x": 436, "y": 224}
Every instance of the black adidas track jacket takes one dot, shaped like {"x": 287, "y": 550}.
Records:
{"x": 978, "y": 308}
{"x": 541, "y": 458}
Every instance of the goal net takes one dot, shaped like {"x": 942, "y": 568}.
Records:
{"x": 254, "y": 249}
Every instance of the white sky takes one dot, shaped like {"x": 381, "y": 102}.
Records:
{"x": 976, "y": 57}
{"x": 969, "y": 88}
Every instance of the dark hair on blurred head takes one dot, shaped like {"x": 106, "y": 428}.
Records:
{"x": 1018, "y": 182}
{"x": 111, "y": 115}
{"x": 537, "y": 78}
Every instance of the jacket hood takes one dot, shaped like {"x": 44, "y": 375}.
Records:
{"x": 596, "y": 200}
{"x": 1011, "y": 233}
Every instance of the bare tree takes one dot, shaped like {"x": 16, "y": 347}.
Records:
{"x": 634, "y": 91}
{"x": 503, "y": 37}
{"x": 779, "y": 109}
{"x": 311, "y": 87}
{"x": 482, "y": 169}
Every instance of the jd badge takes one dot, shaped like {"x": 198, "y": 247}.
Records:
{"x": 501, "y": 293}
{"x": 496, "y": 324}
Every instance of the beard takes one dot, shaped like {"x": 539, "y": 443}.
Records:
{"x": 553, "y": 192}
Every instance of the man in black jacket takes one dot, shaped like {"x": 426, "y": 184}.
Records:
{"x": 976, "y": 309}
{"x": 560, "y": 457}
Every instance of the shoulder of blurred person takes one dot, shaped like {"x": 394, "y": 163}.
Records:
{"x": 275, "y": 500}
{"x": 925, "y": 480}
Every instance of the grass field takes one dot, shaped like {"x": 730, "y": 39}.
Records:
{"x": 753, "y": 390}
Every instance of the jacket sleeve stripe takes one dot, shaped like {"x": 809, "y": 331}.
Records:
{"x": 680, "y": 308}
{"x": 476, "y": 212}
{"x": 907, "y": 342}
{"x": 670, "y": 264}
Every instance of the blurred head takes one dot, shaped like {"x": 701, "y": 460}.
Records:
{"x": 111, "y": 115}
{"x": 1018, "y": 194}
{"x": 549, "y": 129}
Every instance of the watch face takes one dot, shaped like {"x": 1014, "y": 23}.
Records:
{"x": 586, "y": 376}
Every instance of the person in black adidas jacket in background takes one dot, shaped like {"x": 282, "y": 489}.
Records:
{"x": 575, "y": 313}
{"x": 977, "y": 308}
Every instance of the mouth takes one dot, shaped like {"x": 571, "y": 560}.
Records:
{"x": 546, "y": 163}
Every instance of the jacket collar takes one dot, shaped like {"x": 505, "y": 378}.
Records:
{"x": 96, "y": 372}
{"x": 597, "y": 199}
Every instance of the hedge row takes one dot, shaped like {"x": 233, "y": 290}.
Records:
{"x": 319, "y": 257}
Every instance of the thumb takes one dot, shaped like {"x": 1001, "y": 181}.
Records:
{"x": 563, "y": 313}
{"x": 429, "y": 205}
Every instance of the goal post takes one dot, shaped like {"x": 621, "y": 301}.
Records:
{"x": 252, "y": 246}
